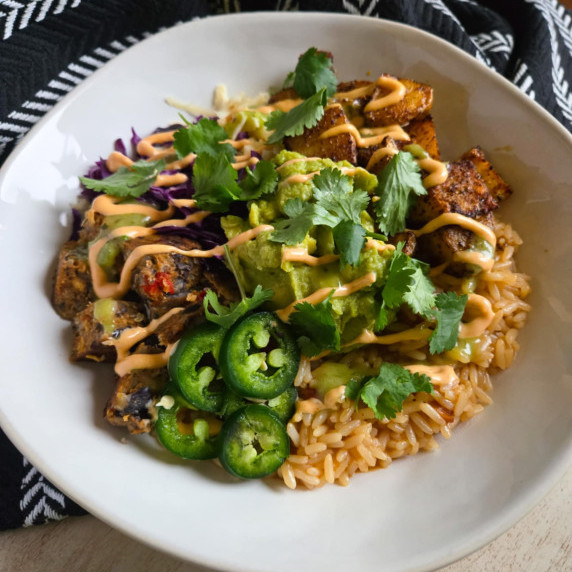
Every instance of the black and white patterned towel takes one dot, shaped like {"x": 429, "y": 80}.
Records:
{"x": 47, "y": 47}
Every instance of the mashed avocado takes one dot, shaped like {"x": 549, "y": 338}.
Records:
{"x": 259, "y": 261}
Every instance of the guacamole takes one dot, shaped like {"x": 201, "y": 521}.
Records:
{"x": 259, "y": 261}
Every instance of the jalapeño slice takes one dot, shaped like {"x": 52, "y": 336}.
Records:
{"x": 259, "y": 357}
{"x": 188, "y": 433}
{"x": 194, "y": 367}
{"x": 254, "y": 442}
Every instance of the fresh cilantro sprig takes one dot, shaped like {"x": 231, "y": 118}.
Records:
{"x": 386, "y": 392}
{"x": 315, "y": 327}
{"x": 204, "y": 137}
{"x": 406, "y": 283}
{"x": 227, "y": 316}
{"x": 448, "y": 313}
{"x": 399, "y": 185}
{"x": 334, "y": 195}
{"x": 215, "y": 182}
{"x": 336, "y": 206}
{"x": 216, "y": 185}
{"x": 305, "y": 115}
{"x": 130, "y": 181}
{"x": 313, "y": 73}
{"x": 300, "y": 220}
{"x": 261, "y": 181}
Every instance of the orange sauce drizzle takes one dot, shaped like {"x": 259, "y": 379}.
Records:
{"x": 396, "y": 94}
{"x": 478, "y": 324}
{"x": 446, "y": 219}
{"x": 129, "y": 337}
{"x": 373, "y": 136}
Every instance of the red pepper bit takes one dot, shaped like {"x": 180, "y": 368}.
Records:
{"x": 161, "y": 284}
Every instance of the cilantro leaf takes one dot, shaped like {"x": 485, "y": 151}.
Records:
{"x": 226, "y": 316}
{"x": 353, "y": 388}
{"x": 385, "y": 317}
{"x": 421, "y": 294}
{"x": 261, "y": 181}
{"x": 130, "y": 181}
{"x": 450, "y": 309}
{"x": 294, "y": 229}
{"x": 293, "y": 123}
{"x": 398, "y": 279}
{"x": 214, "y": 181}
{"x": 386, "y": 392}
{"x": 407, "y": 283}
{"x": 349, "y": 238}
{"x": 205, "y": 136}
{"x": 333, "y": 193}
{"x": 313, "y": 73}
{"x": 289, "y": 81}
{"x": 315, "y": 327}
{"x": 399, "y": 185}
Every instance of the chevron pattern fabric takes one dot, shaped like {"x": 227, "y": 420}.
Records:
{"x": 48, "y": 47}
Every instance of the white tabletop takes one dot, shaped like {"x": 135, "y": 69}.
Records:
{"x": 540, "y": 542}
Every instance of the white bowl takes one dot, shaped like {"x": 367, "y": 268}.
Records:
{"x": 422, "y": 512}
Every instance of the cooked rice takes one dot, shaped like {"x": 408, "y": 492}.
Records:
{"x": 337, "y": 441}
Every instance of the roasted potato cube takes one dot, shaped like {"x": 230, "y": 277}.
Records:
{"x": 422, "y": 132}
{"x": 408, "y": 238}
{"x": 98, "y": 322}
{"x": 73, "y": 289}
{"x": 416, "y": 104}
{"x": 353, "y": 105}
{"x": 439, "y": 247}
{"x": 497, "y": 186}
{"x": 464, "y": 192}
{"x": 340, "y": 147}
{"x": 288, "y": 93}
{"x": 365, "y": 154}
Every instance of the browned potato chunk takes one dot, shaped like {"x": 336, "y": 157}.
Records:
{"x": 422, "y": 132}
{"x": 365, "y": 154}
{"x": 73, "y": 290}
{"x": 341, "y": 147}
{"x": 439, "y": 247}
{"x": 289, "y": 93}
{"x": 464, "y": 192}
{"x": 353, "y": 106}
{"x": 416, "y": 104}
{"x": 497, "y": 186}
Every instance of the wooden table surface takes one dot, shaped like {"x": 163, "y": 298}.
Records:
{"x": 540, "y": 542}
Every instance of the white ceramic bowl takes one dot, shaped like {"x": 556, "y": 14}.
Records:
{"x": 422, "y": 512}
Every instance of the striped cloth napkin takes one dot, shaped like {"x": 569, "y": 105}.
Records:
{"x": 48, "y": 47}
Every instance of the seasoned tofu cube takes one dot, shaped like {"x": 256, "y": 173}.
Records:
{"x": 340, "y": 147}
{"x": 73, "y": 289}
{"x": 497, "y": 186}
{"x": 416, "y": 104}
{"x": 99, "y": 322}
